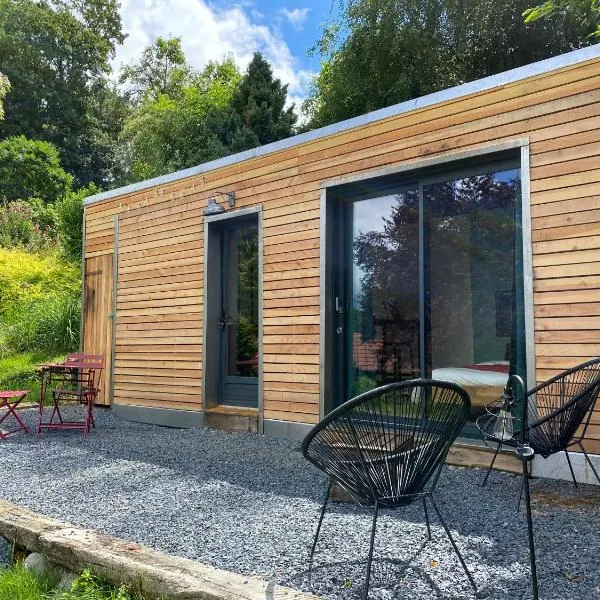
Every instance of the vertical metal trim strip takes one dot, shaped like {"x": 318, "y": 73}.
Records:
{"x": 527, "y": 265}
{"x": 261, "y": 419}
{"x": 113, "y": 341}
{"x": 81, "y": 312}
{"x": 323, "y": 326}
{"x": 421, "y": 282}
{"x": 204, "y": 322}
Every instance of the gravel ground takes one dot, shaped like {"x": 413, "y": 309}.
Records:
{"x": 250, "y": 504}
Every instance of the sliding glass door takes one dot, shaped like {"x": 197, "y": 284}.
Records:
{"x": 429, "y": 281}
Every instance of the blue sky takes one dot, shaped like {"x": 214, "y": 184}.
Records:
{"x": 282, "y": 30}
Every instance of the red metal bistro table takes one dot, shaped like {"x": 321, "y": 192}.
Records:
{"x": 8, "y": 403}
{"x": 74, "y": 381}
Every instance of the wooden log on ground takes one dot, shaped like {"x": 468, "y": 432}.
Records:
{"x": 154, "y": 574}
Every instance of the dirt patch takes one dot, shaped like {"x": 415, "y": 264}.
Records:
{"x": 541, "y": 498}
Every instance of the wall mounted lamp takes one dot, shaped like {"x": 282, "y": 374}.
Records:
{"x": 214, "y": 208}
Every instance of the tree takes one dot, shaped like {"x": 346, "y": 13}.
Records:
{"x": 161, "y": 70}
{"x": 184, "y": 118}
{"x": 381, "y": 52}
{"x": 587, "y": 12}
{"x": 169, "y": 131}
{"x": 56, "y": 54}
{"x": 258, "y": 111}
{"x": 31, "y": 169}
{"x": 4, "y": 87}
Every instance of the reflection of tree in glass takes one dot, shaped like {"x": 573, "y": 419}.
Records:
{"x": 388, "y": 260}
{"x": 247, "y": 328}
{"x": 473, "y": 215}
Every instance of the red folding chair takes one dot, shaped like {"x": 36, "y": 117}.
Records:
{"x": 9, "y": 400}
{"x": 76, "y": 381}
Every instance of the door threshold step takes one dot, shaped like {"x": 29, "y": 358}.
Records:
{"x": 223, "y": 409}
{"x": 231, "y": 418}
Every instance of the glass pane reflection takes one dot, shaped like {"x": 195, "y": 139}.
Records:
{"x": 384, "y": 319}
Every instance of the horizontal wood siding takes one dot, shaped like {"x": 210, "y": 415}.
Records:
{"x": 161, "y": 246}
{"x": 160, "y": 306}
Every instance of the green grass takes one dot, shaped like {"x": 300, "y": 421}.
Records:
{"x": 19, "y": 371}
{"x": 16, "y": 583}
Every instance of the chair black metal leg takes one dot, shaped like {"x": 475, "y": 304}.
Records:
{"x": 532, "y": 561}
{"x": 462, "y": 562}
{"x": 427, "y": 519}
{"x": 491, "y": 465}
{"x": 571, "y": 468}
{"x": 370, "y": 559}
{"x": 589, "y": 461}
{"x": 323, "y": 509}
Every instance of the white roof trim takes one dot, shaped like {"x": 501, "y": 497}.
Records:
{"x": 531, "y": 70}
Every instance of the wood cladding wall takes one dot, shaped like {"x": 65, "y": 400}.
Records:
{"x": 160, "y": 247}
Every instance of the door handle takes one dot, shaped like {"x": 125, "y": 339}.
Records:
{"x": 223, "y": 322}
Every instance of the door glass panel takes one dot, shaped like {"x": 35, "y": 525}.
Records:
{"x": 472, "y": 259}
{"x": 242, "y": 346}
{"x": 238, "y": 324}
{"x": 382, "y": 340}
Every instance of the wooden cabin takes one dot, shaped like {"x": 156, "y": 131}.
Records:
{"x": 455, "y": 236}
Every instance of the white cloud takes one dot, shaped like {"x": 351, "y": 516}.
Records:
{"x": 296, "y": 17}
{"x": 208, "y": 32}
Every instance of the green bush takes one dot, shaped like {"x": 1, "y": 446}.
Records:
{"x": 51, "y": 323}
{"x": 31, "y": 169}
{"x": 26, "y": 278}
{"x": 39, "y": 302}
{"x": 69, "y": 212}
{"x": 28, "y": 225}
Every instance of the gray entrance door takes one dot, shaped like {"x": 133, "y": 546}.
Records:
{"x": 238, "y": 319}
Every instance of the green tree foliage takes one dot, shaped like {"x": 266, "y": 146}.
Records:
{"x": 56, "y": 55}
{"x": 169, "y": 128}
{"x": 4, "y": 87}
{"x": 161, "y": 71}
{"x": 586, "y": 12}
{"x": 31, "y": 169}
{"x": 258, "y": 108}
{"x": 69, "y": 221}
{"x": 184, "y": 118}
{"x": 380, "y": 52}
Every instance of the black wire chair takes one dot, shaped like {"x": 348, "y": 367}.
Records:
{"x": 387, "y": 446}
{"x": 558, "y": 415}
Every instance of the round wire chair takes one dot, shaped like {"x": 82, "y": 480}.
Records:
{"x": 558, "y": 415}
{"x": 387, "y": 446}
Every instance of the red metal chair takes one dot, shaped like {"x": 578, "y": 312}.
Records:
{"x": 9, "y": 400}
{"x": 76, "y": 380}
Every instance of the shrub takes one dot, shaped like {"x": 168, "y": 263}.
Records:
{"x": 26, "y": 278}
{"x": 51, "y": 323}
{"x": 31, "y": 169}
{"x": 29, "y": 225}
{"x": 70, "y": 221}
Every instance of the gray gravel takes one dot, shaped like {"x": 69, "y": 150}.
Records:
{"x": 250, "y": 504}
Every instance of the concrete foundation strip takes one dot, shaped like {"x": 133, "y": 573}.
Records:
{"x": 155, "y": 574}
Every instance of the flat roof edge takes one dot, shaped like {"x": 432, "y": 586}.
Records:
{"x": 479, "y": 85}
